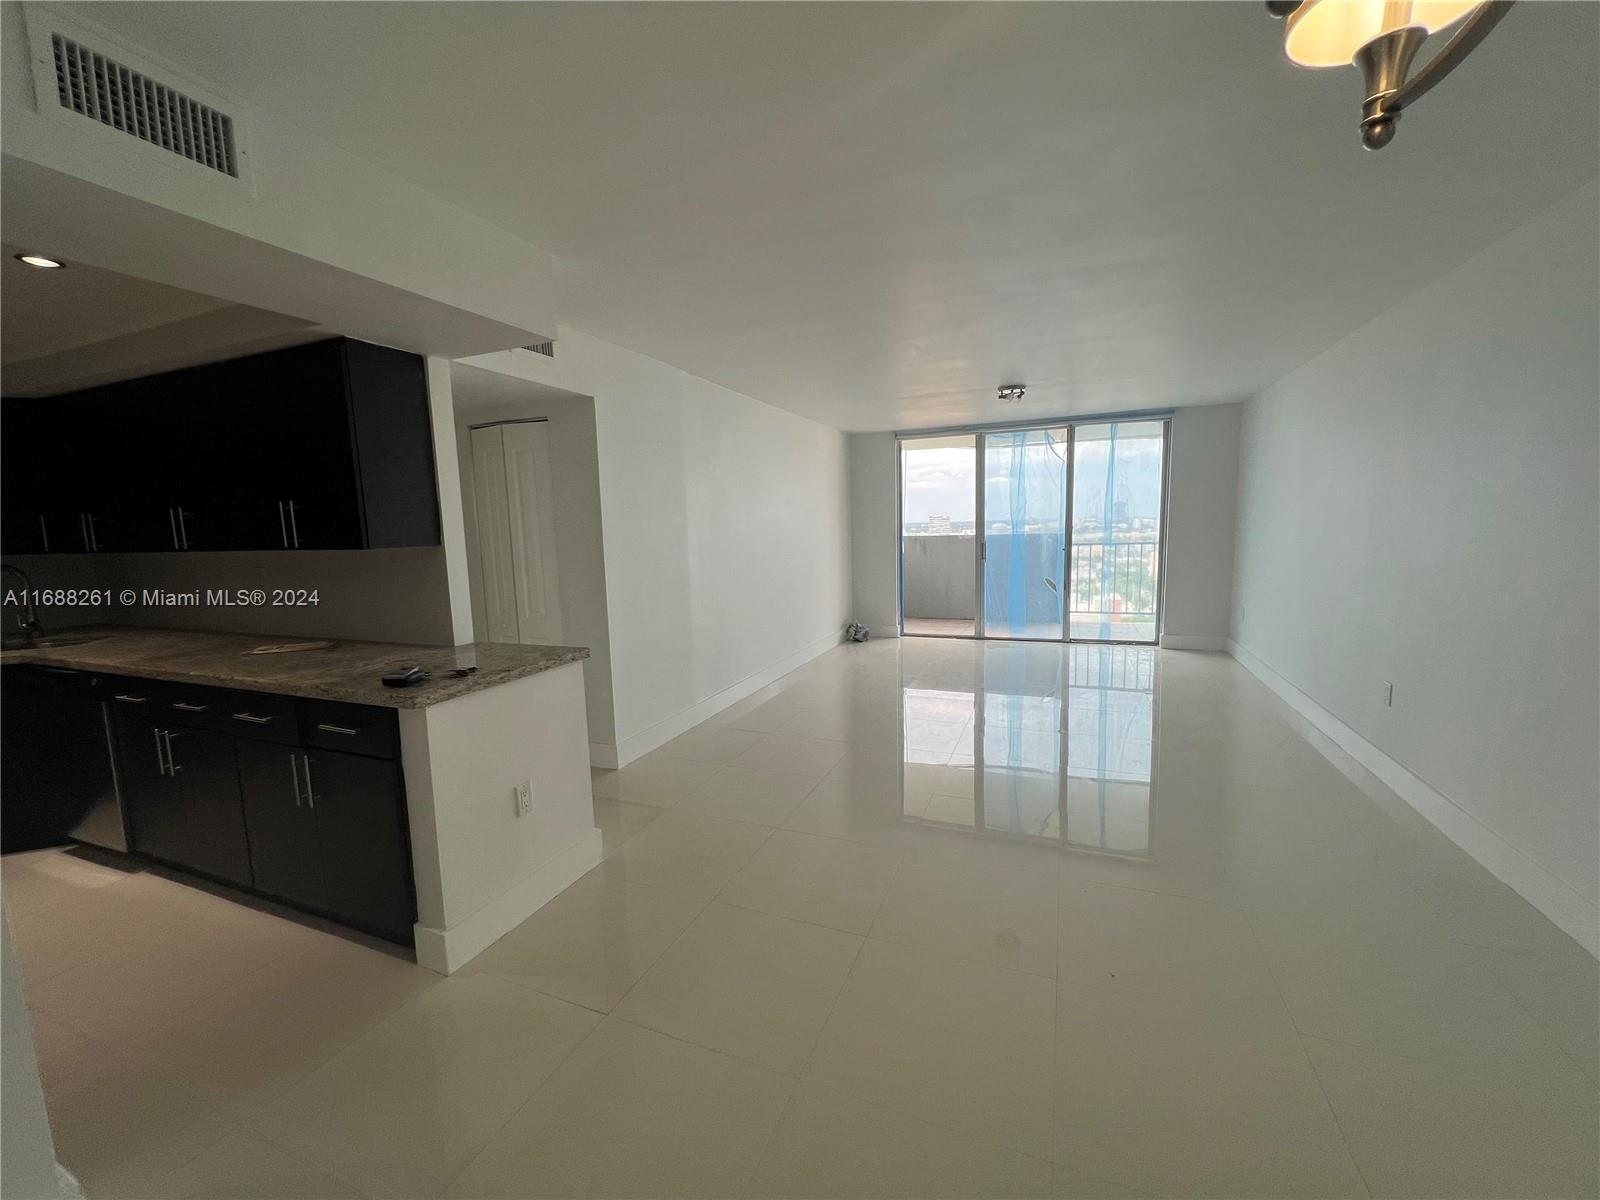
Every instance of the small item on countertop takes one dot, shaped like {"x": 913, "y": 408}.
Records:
{"x": 405, "y": 677}
{"x": 463, "y": 672}
{"x": 292, "y": 647}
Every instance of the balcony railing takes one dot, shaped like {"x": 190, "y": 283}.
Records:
{"x": 1110, "y": 593}
{"x": 1116, "y": 580}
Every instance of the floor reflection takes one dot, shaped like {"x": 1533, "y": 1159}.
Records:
{"x": 1048, "y": 743}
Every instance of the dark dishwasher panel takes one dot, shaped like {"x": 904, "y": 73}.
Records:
{"x": 56, "y": 772}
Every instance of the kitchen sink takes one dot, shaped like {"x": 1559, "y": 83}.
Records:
{"x": 56, "y": 639}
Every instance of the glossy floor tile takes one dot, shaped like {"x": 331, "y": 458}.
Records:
{"x": 924, "y": 918}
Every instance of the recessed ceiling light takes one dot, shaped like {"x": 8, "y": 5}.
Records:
{"x": 40, "y": 261}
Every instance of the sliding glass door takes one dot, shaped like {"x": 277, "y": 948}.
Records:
{"x": 1047, "y": 533}
{"x": 938, "y": 535}
{"x": 1114, "y": 579}
{"x": 1026, "y": 474}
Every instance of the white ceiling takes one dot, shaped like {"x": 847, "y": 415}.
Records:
{"x": 82, "y": 325}
{"x": 875, "y": 213}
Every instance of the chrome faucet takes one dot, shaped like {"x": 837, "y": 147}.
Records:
{"x": 28, "y": 613}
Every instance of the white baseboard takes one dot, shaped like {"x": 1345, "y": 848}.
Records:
{"x": 447, "y": 950}
{"x": 603, "y": 754}
{"x": 1193, "y": 641}
{"x": 1513, "y": 867}
{"x": 663, "y": 732}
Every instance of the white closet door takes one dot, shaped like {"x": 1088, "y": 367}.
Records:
{"x": 533, "y": 531}
{"x": 496, "y": 569}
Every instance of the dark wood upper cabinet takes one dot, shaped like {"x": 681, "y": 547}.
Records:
{"x": 326, "y": 446}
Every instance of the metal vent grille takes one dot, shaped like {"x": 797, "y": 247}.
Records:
{"x": 102, "y": 88}
{"x": 548, "y": 349}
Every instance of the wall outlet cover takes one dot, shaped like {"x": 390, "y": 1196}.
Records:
{"x": 524, "y": 798}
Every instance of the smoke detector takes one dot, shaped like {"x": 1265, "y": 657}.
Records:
{"x": 1012, "y": 393}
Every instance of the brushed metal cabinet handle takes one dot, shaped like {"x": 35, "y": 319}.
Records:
{"x": 294, "y": 778}
{"x": 183, "y": 530}
{"x": 252, "y": 718}
{"x": 127, "y": 699}
{"x": 344, "y": 729}
{"x": 294, "y": 527}
{"x": 283, "y": 527}
{"x": 161, "y": 763}
{"x": 172, "y": 523}
{"x": 311, "y": 796}
{"x": 183, "y": 707}
{"x": 172, "y": 763}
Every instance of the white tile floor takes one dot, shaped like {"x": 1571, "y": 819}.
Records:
{"x": 926, "y": 918}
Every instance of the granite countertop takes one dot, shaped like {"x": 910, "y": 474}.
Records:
{"x": 344, "y": 670}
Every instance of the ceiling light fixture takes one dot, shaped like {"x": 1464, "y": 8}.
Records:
{"x": 1382, "y": 37}
{"x": 40, "y": 261}
{"x": 1012, "y": 393}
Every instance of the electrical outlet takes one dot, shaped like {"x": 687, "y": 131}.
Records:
{"x": 1388, "y": 694}
{"x": 524, "y": 798}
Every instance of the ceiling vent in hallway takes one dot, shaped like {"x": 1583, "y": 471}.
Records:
{"x": 548, "y": 349}
{"x": 89, "y": 83}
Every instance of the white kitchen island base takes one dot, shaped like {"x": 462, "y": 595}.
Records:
{"x": 481, "y": 869}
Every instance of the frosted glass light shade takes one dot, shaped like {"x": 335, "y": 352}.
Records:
{"x": 1327, "y": 33}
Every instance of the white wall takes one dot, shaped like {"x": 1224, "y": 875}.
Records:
{"x": 725, "y": 531}
{"x": 874, "y": 535}
{"x": 1202, "y": 492}
{"x": 28, "y": 1166}
{"x": 1421, "y": 504}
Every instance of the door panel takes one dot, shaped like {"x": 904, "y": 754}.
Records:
{"x": 1025, "y": 482}
{"x": 366, "y": 857}
{"x": 208, "y": 778}
{"x": 1115, "y": 577}
{"x": 496, "y": 565}
{"x": 533, "y": 530}
{"x": 939, "y": 481}
{"x": 155, "y": 806}
{"x": 285, "y": 858}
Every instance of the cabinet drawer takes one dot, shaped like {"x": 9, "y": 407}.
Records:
{"x": 263, "y": 717}
{"x": 193, "y": 706}
{"x": 166, "y": 703}
{"x": 353, "y": 728}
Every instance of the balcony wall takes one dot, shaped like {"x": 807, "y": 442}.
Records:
{"x": 939, "y": 576}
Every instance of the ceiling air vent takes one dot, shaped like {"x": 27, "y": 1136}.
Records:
{"x": 548, "y": 349}
{"x": 102, "y": 88}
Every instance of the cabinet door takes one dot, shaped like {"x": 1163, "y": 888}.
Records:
{"x": 284, "y": 853}
{"x": 366, "y": 846}
{"x": 116, "y": 447}
{"x": 25, "y": 525}
{"x": 155, "y": 805}
{"x": 312, "y": 448}
{"x": 208, "y": 778}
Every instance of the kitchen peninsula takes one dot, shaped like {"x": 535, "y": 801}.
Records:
{"x": 457, "y": 807}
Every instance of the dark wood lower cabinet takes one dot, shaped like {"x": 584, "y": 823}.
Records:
{"x": 322, "y": 830}
{"x": 208, "y": 778}
{"x": 284, "y": 853}
{"x": 366, "y": 848}
{"x": 182, "y": 787}
{"x": 155, "y": 811}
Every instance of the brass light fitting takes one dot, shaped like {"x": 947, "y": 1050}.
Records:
{"x": 1382, "y": 37}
